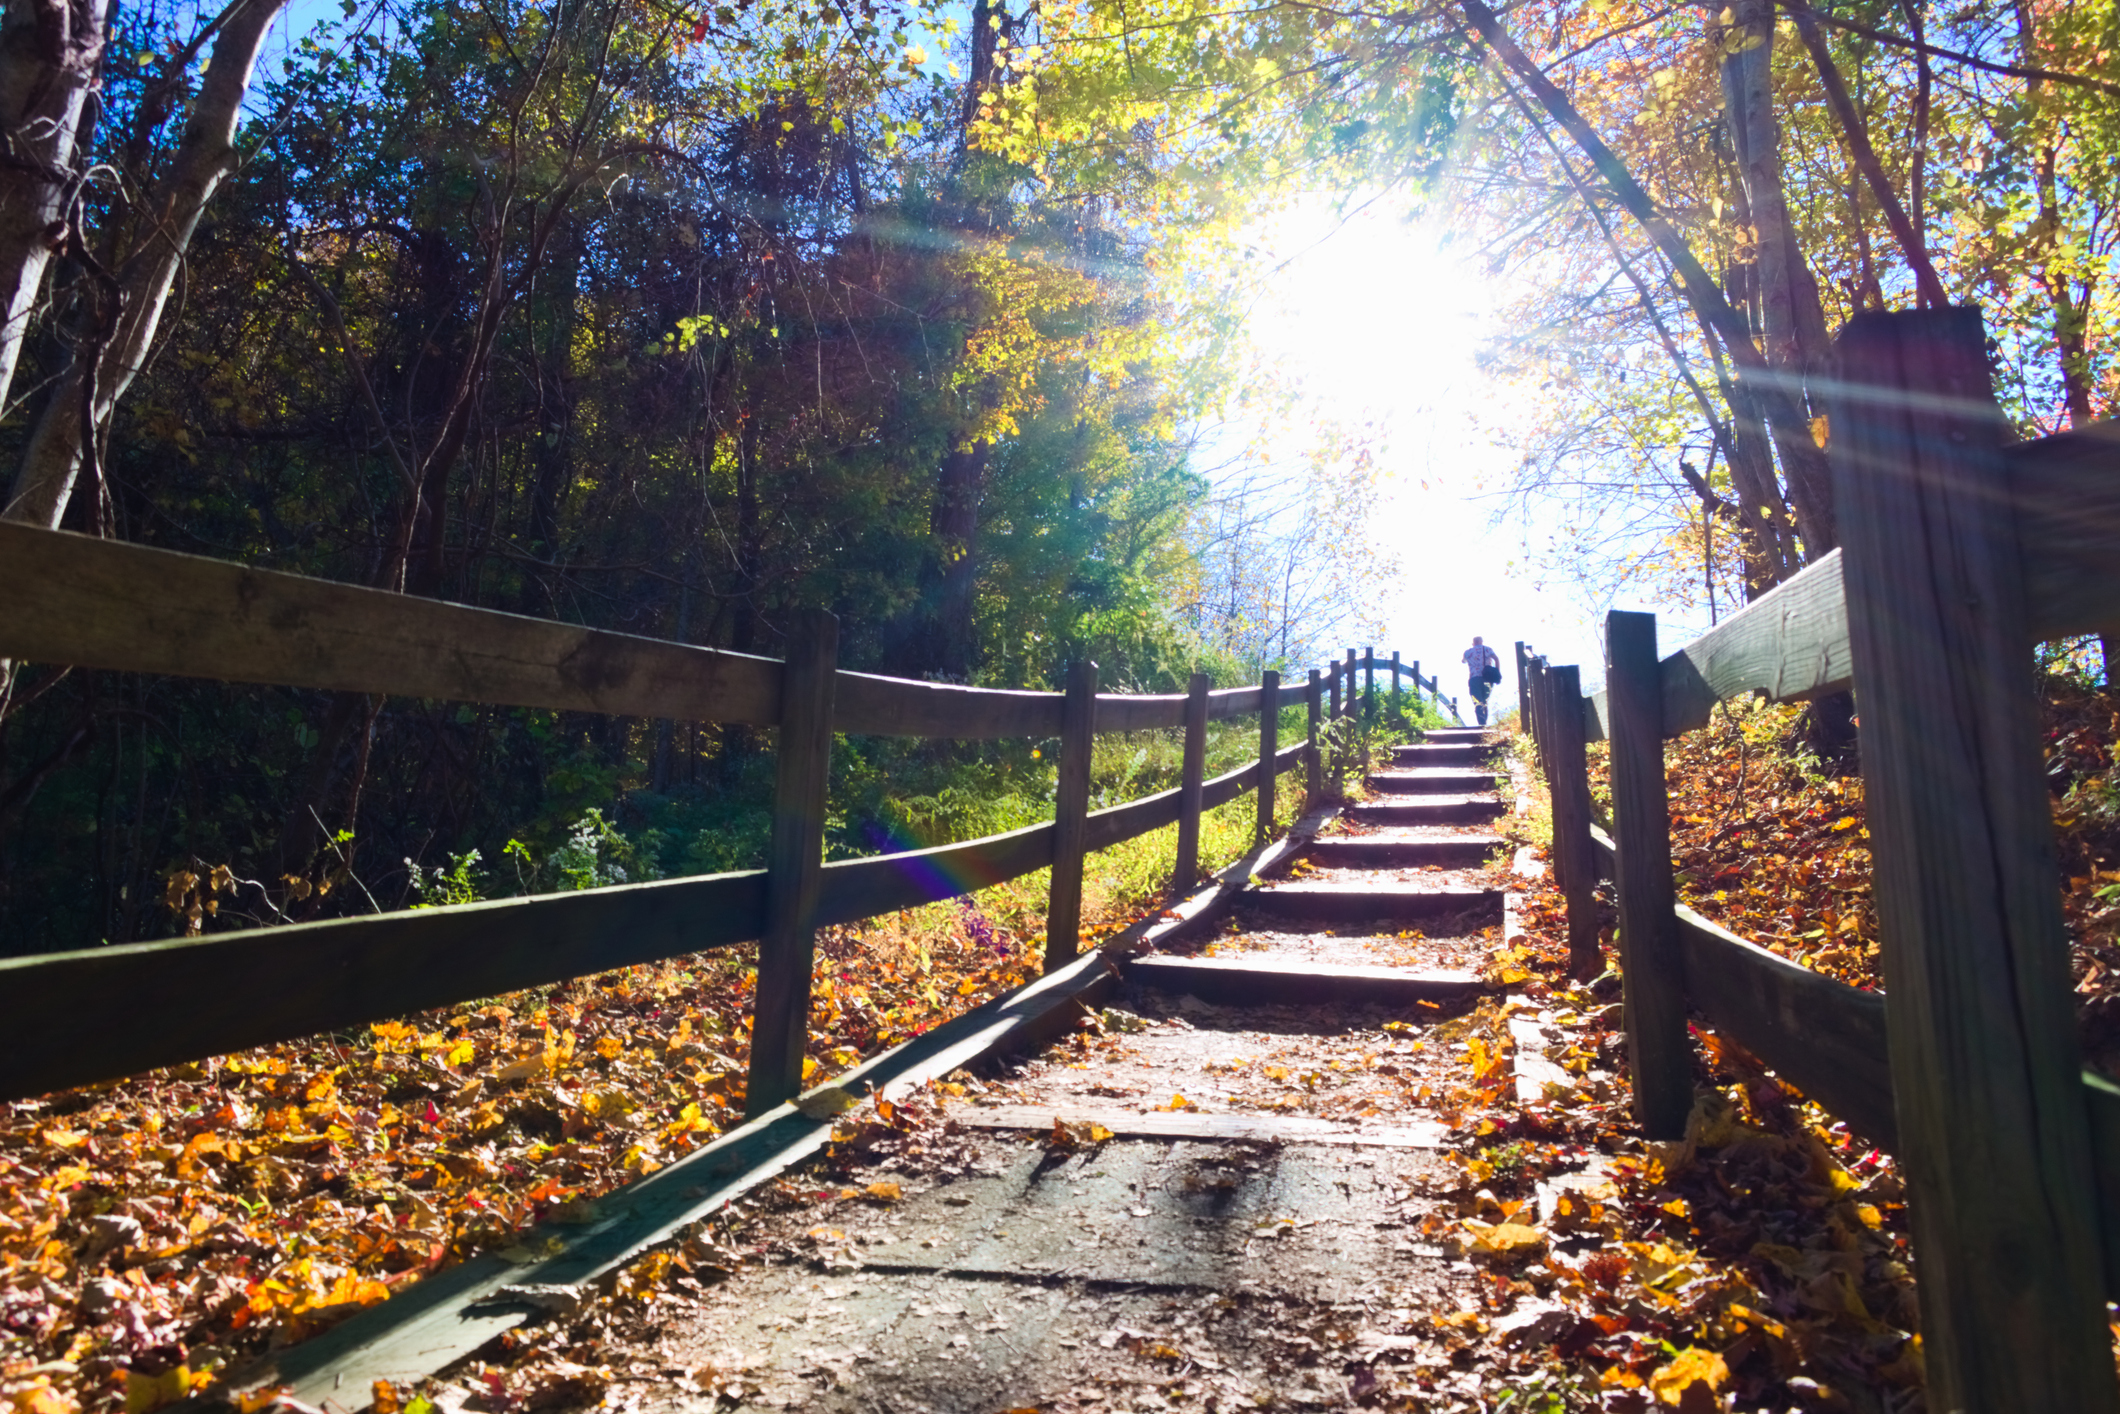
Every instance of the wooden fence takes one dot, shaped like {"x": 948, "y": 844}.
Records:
{"x": 1958, "y": 554}
{"x": 97, "y": 1014}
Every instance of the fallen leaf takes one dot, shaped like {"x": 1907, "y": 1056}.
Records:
{"x": 1689, "y": 1367}
{"x": 825, "y": 1102}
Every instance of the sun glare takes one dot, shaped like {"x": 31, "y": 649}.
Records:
{"x": 1379, "y": 320}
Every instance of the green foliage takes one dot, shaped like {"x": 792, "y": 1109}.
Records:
{"x": 443, "y": 886}
{"x": 667, "y": 323}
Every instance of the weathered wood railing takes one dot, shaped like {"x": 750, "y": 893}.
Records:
{"x": 97, "y": 1014}
{"x": 1369, "y": 664}
{"x": 1958, "y": 554}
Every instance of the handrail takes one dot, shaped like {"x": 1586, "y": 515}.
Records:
{"x": 92, "y": 603}
{"x": 109, "y": 604}
{"x": 1792, "y": 643}
{"x": 163, "y": 1003}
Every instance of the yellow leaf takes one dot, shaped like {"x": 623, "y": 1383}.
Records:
{"x": 523, "y": 1067}
{"x": 888, "y": 1191}
{"x": 1504, "y": 1242}
{"x": 40, "y": 1398}
{"x": 64, "y": 1138}
{"x": 1098, "y": 1133}
{"x": 145, "y": 1392}
{"x": 462, "y": 1053}
{"x": 610, "y": 1047}
{"x": 1689, "y": 1367}
{"x": 826, "y": 1101}
{"x": 386, "y": 1398}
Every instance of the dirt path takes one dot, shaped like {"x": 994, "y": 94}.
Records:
{"x": 1211, "y": 1197}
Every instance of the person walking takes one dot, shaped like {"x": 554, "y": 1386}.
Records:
{"x": 1484, "y": 670}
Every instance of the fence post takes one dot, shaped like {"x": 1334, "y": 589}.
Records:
{"x": 1568, "y": 779}
{"x": 1313, "y": 777}
{"x": 1187, "y": 872}
{"x": 1650, "y": 962}
{"x": 1269, "y": 746}
{"x": 780, "y": 1020}
{"x": 1369, "y": 709}
{"x": 1395, "y": 696}
{"x": 1535, "y": 683}
{"x": 1416, "y": 684}
{"x": 1525, "y": 716}
{"x": 1993, "y": 1125}
{"x": 1078, "y": 737}
{"x": 1353, "y": 685}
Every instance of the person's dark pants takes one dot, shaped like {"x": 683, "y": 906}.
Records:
{"x": 1479, "y": 688}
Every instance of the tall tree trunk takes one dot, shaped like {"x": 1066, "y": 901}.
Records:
{"x": 2071, "y": 321}
{"x": 51, "y": 53}
{"x": 555, "y": 418}
{"x": 1796, "y": 342}
{"x": 2071, "y": 312}
{"x": 1787, "y": 418}
{"x": 1856, "y": 133}
{"x": 743, "y": 629}
{"x": 956, "y": 528}
{"x": 81, "y": 403}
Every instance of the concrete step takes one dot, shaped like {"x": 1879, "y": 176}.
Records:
{"x": 1432, "y": 781}
{"x": 1240, "y": 981}
{"x": 1457, "y": 736}
{"x": 1438, "y": 810}
{"x": 1425, "y": 754}
{"x": 1442, "y": 852}
{"x": 1335, "y": 901}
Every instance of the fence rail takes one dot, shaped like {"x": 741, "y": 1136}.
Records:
{"x": 99, "y": 1014}
{"x": 1959, "y": 554}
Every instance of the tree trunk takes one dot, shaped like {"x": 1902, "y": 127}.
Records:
{"x": 956, "y": 527}
{"x": 51, "y": 52}
{"x": 1793, "y": 318}
{"x": 1784, "y": 413}
{"x": 1864, "y": 157}
{"x": 204, "y": 157}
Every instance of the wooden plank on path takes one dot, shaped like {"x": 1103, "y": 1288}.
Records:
{"x": 1242, "y": 981}
{"x": 1425, "y": 780}
{"x": 1371, "y": 852}
{"x": 1213, "y": 1128}
{"x": 1334, "y": 900}
{"x": 1433, "y": 810}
